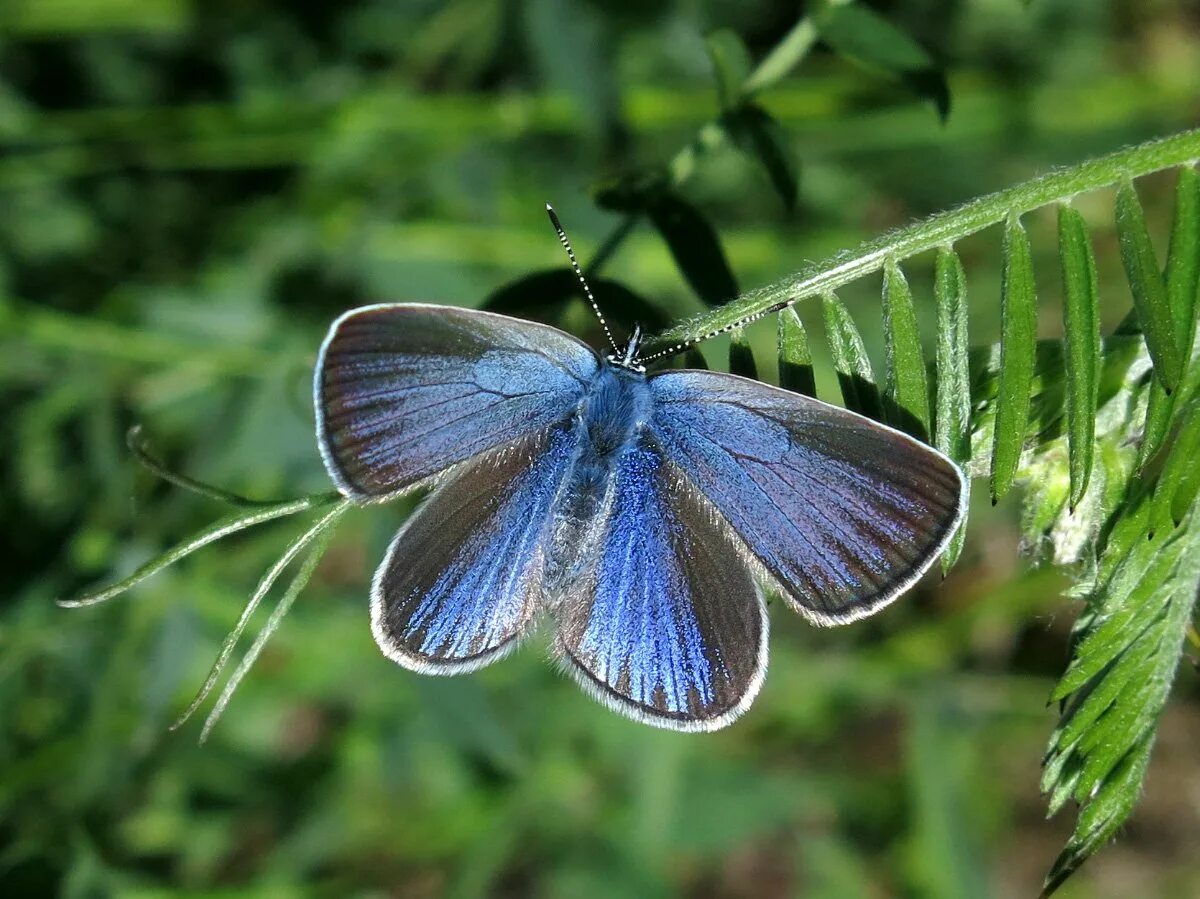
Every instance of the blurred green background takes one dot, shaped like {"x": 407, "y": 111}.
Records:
{"x": 190, "y": 191}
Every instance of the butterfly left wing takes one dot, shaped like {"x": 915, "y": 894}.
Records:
{"x": 845, "y": 514}
{"x": 404, "y": 391}
{"x": 463, "y": 579}
{"x": 664, "y": 623}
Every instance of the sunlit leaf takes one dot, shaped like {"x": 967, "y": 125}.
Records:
{"x": 795, "y": 359}
{"x": 1018, "y": 341}
{"x": 1150, "y": 298}
{"x": 952, "y": 425}
{"x": 907, "y": 387}
{"x": 855, "y": 376}
{"x": 1081, "y": 330}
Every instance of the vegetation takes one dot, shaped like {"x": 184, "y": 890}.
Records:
{"x": 193, "y": 191}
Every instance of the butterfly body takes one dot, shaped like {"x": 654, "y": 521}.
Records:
{"x": 638, "y": 512}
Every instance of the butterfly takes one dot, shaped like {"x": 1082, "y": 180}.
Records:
{"x": 642, "y": 514}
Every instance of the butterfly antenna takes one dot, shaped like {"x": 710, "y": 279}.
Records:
{"x": 724, "y": 329}
{"x": 562, "y": 238}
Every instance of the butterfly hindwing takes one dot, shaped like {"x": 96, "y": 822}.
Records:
{"x": 664, "y": 622}
{"x": 844, "y": 513}
{"x": 463, "y": 578}
{"x": 405, "y": 391}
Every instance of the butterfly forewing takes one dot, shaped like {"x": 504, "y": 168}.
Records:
{"x": 845, "y": 514}
{"x": 463, "y": 578}
{"x": 403, "y": 392}
{"x": 664, "y": 622}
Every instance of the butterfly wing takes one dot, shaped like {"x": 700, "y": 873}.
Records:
{"x": 844, "y": 513}
{"x": 664, "y": 623}
{"x": 463, "y": 577}
{"x": 402, "y": 392}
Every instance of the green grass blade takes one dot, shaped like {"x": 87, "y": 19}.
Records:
{"x": 907, "y": 383}
{"x": 795, "y": 358}
{"x": 1148, "y": 289}
{"x": 741, "y": 357}
{"x": 1018, "y": 344}
{"x": 141, "y": 452}
{"x": 1178, "y": 471}
{"x": 320, "y": 543}
{"x": 230, "y": 524}
{"x": 264, "y": 586}
{"x": 952, "y": 425}
{"x": 1081, "y": 329}
{"x": 850, "y": 360}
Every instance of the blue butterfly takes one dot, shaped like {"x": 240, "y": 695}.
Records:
{"x": 639, "y": 513}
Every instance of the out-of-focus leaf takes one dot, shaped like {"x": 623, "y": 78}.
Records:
{"x": 758, "y": 134}
{"x": 1018, "y": 342}
{"x": 907, "y": 387}
{"x": 731, "y": 65}
{"x": 696, "y": 248}
{"x": 783, "y": 58}
{"x": 1149, "y": 291}
{"x": 952, "y": 424}
{"x": 741, "y": 357}
{"x": 863, "y": 35}
{"x": 1081, "y": 330}
{"x": 795, "y": 359}
{"x": 857, "y": 380}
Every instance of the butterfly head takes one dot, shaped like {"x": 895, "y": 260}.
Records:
{"x": 628, "y": 358}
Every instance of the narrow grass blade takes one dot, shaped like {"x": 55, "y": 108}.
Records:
{"x": 1149, "y": 291}
{"x": 141, "y": 452}
{"x": 1178, "y": 470}
{"x": 907, "y": 385}
{"x": 264, "y": 586}
{"x": 741, "y": 357}
{"x": 952, "y": 425}
{"x": 855, "y": 376}
{"x": 230, "y": 524}
{"x": 1081, "y": 330}
{"x": 795, "y": 359}
{"x": 1018, "y": 344}
{"x": 320, "y": 543}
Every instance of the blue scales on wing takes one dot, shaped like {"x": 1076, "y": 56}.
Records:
{"x": 663, "y": 622}
{"x": 464, "y": 577}
{"x": 843, "y": 513}
{"x": 403, "y": 392}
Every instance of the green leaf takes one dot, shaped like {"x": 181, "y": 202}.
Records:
{"x": 731, "y": 65}
{"x": 952, "y": 426}
{"x": 854, "y": 373}
{"x": 1177, "y": 472}
{"x": 757, "y": 134}
{"x": 783, "y": 58}
{"x": 230, "y": 524}
{"x": 1126, "y": 655}
{"x": 1018, "y": 343}
{"x": 1183, "y": 259}
{"x": 861, "y": 34}
{"x": 795, "y": 359}
{"x": 1081, "y": 330}
{"x": 741, "y": 357}
{"x": 1149, "y": 291}
{"x": 694, "y": 244}
{"x": 907, "y": 386}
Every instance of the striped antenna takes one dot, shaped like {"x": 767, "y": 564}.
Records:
{"x": 725, "y": 329}
{"x": 562, "y": 238}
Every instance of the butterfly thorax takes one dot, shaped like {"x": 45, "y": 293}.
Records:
{"x": 614, "y": 410}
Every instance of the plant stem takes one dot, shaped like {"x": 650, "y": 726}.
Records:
{"x": 940, "y": 230}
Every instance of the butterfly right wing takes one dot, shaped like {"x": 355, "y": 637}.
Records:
{"x": 663, "y": 622}
{"x": 403, "y": 392}
{"x": 464, "y": 576}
